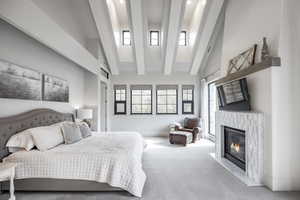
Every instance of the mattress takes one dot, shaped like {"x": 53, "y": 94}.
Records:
{"x": 113, "y": 158}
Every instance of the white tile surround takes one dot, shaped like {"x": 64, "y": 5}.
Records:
{"x": 253, "y": 125}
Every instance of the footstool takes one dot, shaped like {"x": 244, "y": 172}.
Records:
{"x": 180, "y": 137}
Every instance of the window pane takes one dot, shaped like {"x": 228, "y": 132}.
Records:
{"x": 171, "y": 92}
{"x": 187, "y": 107}
{"x": 136, "y": 92}
{"x": 161, "y": 100}
{"x": 184, "y": 97}
{"x": 171, "y": 108}
{"x": 136, "y": 108}
{"x": 146, "y": 108}
{"x": 161, "y": 92}
{"x": 123, "y": 97}
{"x": 171, "y": 100}
{"x": 126, "y": 38}
{"x": 161, "y": 109}
{"x": 146, "y": 92}
{"x": 182, "y": 38}
{"x": 154, "y": 38}
{"x": 190, "y": 97}
{"x": 146, "y": 99}
{"x": 136, "y": 99}
{"x": 120, "y": 107}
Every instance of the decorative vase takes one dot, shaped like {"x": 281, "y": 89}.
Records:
{"x": 265, "y": 50}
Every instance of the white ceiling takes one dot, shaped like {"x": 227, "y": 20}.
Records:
{"x": 77, "y": 19}
{"x": 154, "y": 12}
{"x": 74, "y": 16}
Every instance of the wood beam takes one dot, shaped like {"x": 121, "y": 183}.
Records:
{"x": 175, "y": 20}
{"x": 104, "y": 26}
{"x": 135, "y": 8}
{"x": 29, "y": 18}
{"x": 204, "y": 37}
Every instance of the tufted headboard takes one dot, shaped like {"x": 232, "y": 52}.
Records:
{"x": 17, "y": 123}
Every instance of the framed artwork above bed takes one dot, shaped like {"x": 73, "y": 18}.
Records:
{"x": 17, "y": 82}
{"x": 55, "y": 89}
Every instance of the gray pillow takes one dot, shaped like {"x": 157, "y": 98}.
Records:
{"x": 71, "y": 133}
{"x": 84, "y": 129}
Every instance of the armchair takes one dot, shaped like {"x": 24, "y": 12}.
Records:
{"x": 190, "y": 125}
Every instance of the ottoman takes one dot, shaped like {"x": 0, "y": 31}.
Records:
{"x": 180, "y": 137}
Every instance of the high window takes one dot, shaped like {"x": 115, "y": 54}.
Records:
{"x": 166, "y": 99}
{"x": 154, "y": 38}
{"x": 126, "y": 38}
{"x": 187, "y": 99}
{"x": 120, "y": 99}
{"x": 182, "y": 39}
{"x": 141, "y": 99}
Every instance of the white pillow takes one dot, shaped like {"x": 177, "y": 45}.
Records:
{"x": 15, "y": 149}
{"x": 21, "y": 140}
{"x": 47, "y": 137}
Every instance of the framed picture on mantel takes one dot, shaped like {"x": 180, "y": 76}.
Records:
{"x": 243, "y": 60}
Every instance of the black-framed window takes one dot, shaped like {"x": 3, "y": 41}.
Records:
{"x": 126, "y": 38}
{"x": 154, "y": 38}
{"x": 141, "y": 99}
{"x": 120, "y": 99}
{"x": 212, "y": 107}
{"x": 182, "y": 39}
{"x": 187, "y": 99}
{"x": 167, "y": 99}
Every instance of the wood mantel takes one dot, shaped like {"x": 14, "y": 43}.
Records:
{"x": 271, "y": 62}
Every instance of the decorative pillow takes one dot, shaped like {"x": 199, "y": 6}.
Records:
{"x": 21, "y": 140}
{"x": 47, "y": 137}
{"x": 84, "y": 129}
{"x": 71, "y": 133}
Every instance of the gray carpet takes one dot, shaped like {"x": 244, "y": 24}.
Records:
{"x": 178, "y": 173}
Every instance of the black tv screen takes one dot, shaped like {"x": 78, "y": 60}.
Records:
{"x": 234, "y": 96}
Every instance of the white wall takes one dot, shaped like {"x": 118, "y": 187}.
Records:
{"x": 20, "y": 49}
{"x": 91, "y": 96}
{"x": 150, "y": 125}
{"x": 275, "y": 91}
{"x": 246, "y": 23}
{"x": 285, "y": 102}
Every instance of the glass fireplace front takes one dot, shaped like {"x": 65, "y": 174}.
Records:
{"x": 235, "y": 146}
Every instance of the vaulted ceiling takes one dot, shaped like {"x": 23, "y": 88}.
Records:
{"x": 97, "y": 25}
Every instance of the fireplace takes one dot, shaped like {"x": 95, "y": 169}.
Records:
{"x": 234, "y": 146}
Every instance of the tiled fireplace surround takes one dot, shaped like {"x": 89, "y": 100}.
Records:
{"x": 253, "y": 125}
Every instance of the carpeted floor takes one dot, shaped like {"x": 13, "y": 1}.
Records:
{"x": 178, "y": 173}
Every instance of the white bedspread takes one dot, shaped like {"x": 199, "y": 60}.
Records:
{"x": 114, "y": 158}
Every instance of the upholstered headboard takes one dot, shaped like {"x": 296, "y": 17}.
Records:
{"x": 17, "y": 123}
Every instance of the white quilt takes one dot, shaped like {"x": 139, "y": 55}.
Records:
{"x": 113, "y": 158}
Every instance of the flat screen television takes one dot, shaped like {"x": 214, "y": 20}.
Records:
{"x": 234, "y": 96}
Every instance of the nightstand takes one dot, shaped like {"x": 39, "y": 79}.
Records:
{"x": 7, "y": 172}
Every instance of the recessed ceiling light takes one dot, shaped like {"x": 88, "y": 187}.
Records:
{"x": 188, "y": 2}
{"x": 122, "y": 1}
{"x": 203, "y": 2}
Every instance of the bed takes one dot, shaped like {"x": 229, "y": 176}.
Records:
{"x": 101, "y": 162}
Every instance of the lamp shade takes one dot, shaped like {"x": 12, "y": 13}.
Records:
{"x": 84, "y": 113}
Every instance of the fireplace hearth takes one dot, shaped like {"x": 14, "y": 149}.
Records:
{"x": 235, "y": 146}
{"x": 250, "y": 128}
